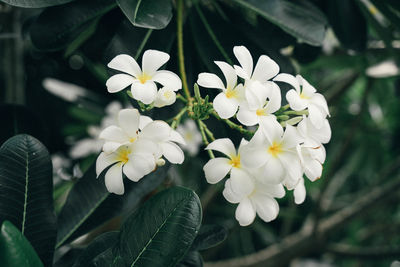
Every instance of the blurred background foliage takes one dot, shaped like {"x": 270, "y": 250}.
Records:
{"x": 348, "y": 49}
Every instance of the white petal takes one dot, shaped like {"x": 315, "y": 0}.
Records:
{"x": 125, "y": 63}
{"x": 115, "y": 134}
{"x": 223, "y": 145}
{"x": 292, "y": 165}
{"x": 210, "y": 80}
{"x": 157, "y": 131}
{"x": 139, "y": 166}
{"x": 316, "y": 115}
{"x": 172, "y": 152}
{"x": 273, "y": 190}
{"x": 165, "y": 97}
{"x": 113, "y": 179}
{"x": 216, "y": 169}
{"x": 119, "y": 82}
{"x": 145, "y": 93}
{"x": 246, "y": 116}
{"x": 291, "y": 138}
{"x": 152, "y": 60}
{"x": 256, "y": 94}
{"x": 245, "y": 212}
{"x": 128, "y": 120}
{"x": 267, "y": 207}
{"x": 103, "y": 161}
{"x": 145, "y": 146}
{"x": 274, "y": 98}
{"x": 85, "y": 147}
{"x": 265, "y": 69}
{"x": 244, "y": 57}
{"x": 271, "y": 128}
{"x": 229, "y": 194}
{"x": 307, "y": 89}
{"x": 225, "y": 107}
{"x": 110, "y": 146}
{"x": 274, "y": 172}
{"x": 143, "y": 121}
{"x": 312, "y": 169}
{"x": 296, "y": 103}
{"x": 229, "y": 73}
{"x": 320, "y": 101}
{"x": 299, "y": 192}
{"x": 176, "y": 137}
{"x": 168, "y": 79}
{"x": 290, "y": 79}
{"x": 241, "y": 182}
{"x": 254, "y": 156}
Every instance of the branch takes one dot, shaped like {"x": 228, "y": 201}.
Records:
{"x": 344, "y": 250}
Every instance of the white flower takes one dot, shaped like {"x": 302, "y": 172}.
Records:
{"x": 227, "y": 102}
{"x": 132, "y": 127}
{"x": 259, "y": 201}
{"x": 165, "y": 97}
{"x": 275, "y": 152}
{"x": 312, "y": 160}
{"x": 134, "y": 160}
{"x": 305, "y": 96}
{"x": 191, "y": 135}
{"x": 314, "y": 137}
{"x": 299, "y": 192}
{"x": 252, "y": 115}
{"x": 142, "y": 80}
{"x": 67, "y": 91}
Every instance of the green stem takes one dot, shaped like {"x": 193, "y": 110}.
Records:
{"x": 234, "y": 126}
{"x": 181, "y": 98}
{"x": 205, "y": 140}
{"x": 208, "y": 131}
{"x": 177, "y": 118}
{"x": 292, "y": 112}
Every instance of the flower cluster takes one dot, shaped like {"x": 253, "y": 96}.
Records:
{"x": 134, "y": 147}
{"x": 143, "y": 81}
{"x": 282, "y": 149}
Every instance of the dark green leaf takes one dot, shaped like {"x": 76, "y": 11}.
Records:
{"x": 192, "y": 259}
{"x": 151, "y": 14}
{"x": 161, "y": 231}
{"x": 346, "y": 19}
{"x": 57, "y": 26}
{"x": 209, "y": 236}
{"x": 36, "y": 3}
{"x": 95, "y": 248}
{"x": 304, "y": 22}
{"x": 26, "y": 187}
{"x": 89, "y": 204}
{"x": 15, "y": 249}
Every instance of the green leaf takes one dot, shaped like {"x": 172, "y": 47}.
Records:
{"x": 161, "y": 231}
{"x": 304, "y": 22}
{"x": 192, "y": 259}
{"x": 96, "y": 247}
{"x": 36, "y": 3}
{"x": 151, "y": 14}
{"x": 209, "y": 236}
{"x": 15, "y": 249}
{"x": 345, "y": 18}
{"x": 56, "y": 27}
{"x": 89, "y": 204}
{"x": 26, "y": 188}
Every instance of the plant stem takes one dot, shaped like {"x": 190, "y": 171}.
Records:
{"x": 205, "y": 140}
{"x": 207, "y": 131}
{"x": 234, "y": 126}
{"x": 177, "y": 118}
{"x": 181, "y": 98}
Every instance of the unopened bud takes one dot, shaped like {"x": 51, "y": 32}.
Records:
{"x": 160, "y": 162}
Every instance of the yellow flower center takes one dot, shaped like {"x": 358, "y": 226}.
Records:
{"x": 123, "y": 155}
{"x": 132, "y": 139}
{"x": 235, "y": 161}
{"x": 189, "y": 136}
{"x": 260, "y": 112}
{"x": 143, "y": 78}
{"x": 275, "y": 149}
{"x": 230, "y": 93}
{"x": 303, "y": 96}
{"x": 168, "y": 94}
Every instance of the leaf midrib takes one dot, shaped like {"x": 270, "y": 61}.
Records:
{"x": 158, "y": 229}
{"x": 137, "y": 9}
{"x": 26, "y": 191}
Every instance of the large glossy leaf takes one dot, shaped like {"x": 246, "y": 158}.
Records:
{"x": 96, "y": 247}
{"x": 161, "y": 231}
{"x": 57, "y": 26}
{"x": 346, "y": 19}
{"x": 303, "y": 21}
{"x": 151, "y": 14}
{"x": 26, "y": 187}
{"x": 209, "y": 236}
{"x": 35, "y": 3}
{"x": 89, "y": 204}
{"x": 15, "y": 249}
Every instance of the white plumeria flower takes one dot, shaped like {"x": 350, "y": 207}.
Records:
{"x": 314, "y": 137}
{"x": 227, "y": 102}
{"x": 133, "y": 127}
{"x": 275, "y": 152}
{"x": 264, "y": 70}
{"x": 312, "y": 160}
{"x": 142, "y": 80}
{"x": 259, "y": 201}
{"x": 165, "y": 97}
{"x": 134, "y": 160}
{"x": 299, "y": 192}
{"x": 216, "y": 169}
{"x": 260, "y": 111}
{"x": 191, "y": 135}
{"x": 303, "y": 96}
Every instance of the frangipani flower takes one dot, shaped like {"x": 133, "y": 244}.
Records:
{"x": 259, "y": 201}
{"x": 314, "y": 137}
{"x": 134, "y": 160}
{"x": 216, "y": 169}
{"x": 165, "y": 97}
{"x": 305, "y": 96}
{"x": 227, "y": 102}
{"x": 142, "y": 80}
{"x": 191, "y": 135}
{"x": 312, "y": 160}
{"x": 275, "y": 152}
